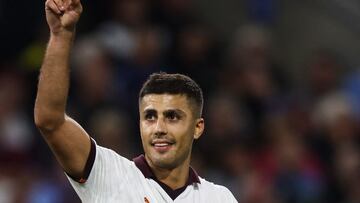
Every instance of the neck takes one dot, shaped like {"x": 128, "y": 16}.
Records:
{"x": 174, "y": 178}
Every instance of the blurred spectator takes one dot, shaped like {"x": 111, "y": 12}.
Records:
{"x": 295, "y": 173}
{"x": 334, "y": 115}
{"x": 268, "y": 138}
{"x": 111, "y": 129}
{"x": 15, "y": 125}
{"x": 117, "y": 34}
{"x": 93, "y": 79}
{"x": 194, "y": 54}
{"x": 324, "y": 73}
{"x": 254, "y": 78}
{"x": 352, "y": 90}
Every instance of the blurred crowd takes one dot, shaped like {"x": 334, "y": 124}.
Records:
{"x": 268, "y": 138}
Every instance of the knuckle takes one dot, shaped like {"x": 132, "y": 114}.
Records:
{"x": 48, "y": 3}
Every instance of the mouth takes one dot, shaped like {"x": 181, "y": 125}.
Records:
{"x": 162, "y": 146}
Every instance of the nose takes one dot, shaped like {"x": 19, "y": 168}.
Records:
{"x": 160, "y": 128}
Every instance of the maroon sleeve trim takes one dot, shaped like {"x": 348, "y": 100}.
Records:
{"x": 89, "y": 164}
{"x": 91, "y": 159}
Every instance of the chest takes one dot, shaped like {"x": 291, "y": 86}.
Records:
{"x": 137, "y": 189}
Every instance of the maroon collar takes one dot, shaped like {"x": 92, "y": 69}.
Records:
{"x": 144, "y": 167}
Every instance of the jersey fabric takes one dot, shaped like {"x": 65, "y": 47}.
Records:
{"x": 112, "y": 178}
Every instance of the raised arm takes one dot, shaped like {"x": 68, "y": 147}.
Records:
{"x": 68, "y": 141}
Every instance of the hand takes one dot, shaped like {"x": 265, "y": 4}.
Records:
{"x": 62, "y": 15}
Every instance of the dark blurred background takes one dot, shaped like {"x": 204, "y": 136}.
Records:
{"x": 281, "y": 81}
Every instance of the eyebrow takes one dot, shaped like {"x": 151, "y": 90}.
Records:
{"x": 150, "y": 111}
{"x": 177, "y": 111}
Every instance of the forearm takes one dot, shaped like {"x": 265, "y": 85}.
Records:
{"x": 53, "y": 83}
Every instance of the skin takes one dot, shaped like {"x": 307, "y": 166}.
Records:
{"x": 169, "y": 119}
{"x": 69, "y": 141}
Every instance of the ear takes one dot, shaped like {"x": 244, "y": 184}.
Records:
{"x": 199, "y": 128}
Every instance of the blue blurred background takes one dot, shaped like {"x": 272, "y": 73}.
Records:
{"x": 281, "y": 81}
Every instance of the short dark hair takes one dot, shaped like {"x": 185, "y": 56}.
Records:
{"x": 164, "y": 83}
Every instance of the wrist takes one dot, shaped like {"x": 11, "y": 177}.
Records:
{"x": 62, "y": 35}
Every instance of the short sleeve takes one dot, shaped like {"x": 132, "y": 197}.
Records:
{"x": 107, "y": 168}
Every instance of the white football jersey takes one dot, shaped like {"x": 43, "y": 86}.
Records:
{"x": 113, "y": 178}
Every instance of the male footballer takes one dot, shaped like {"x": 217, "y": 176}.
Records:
{"x": 170, "y": 107}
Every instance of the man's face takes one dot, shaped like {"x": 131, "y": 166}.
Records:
{"x": 168, "y": 127}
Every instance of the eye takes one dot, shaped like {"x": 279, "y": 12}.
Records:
{"x": 172, "y": 116}
{"x": 150, "y": 116}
